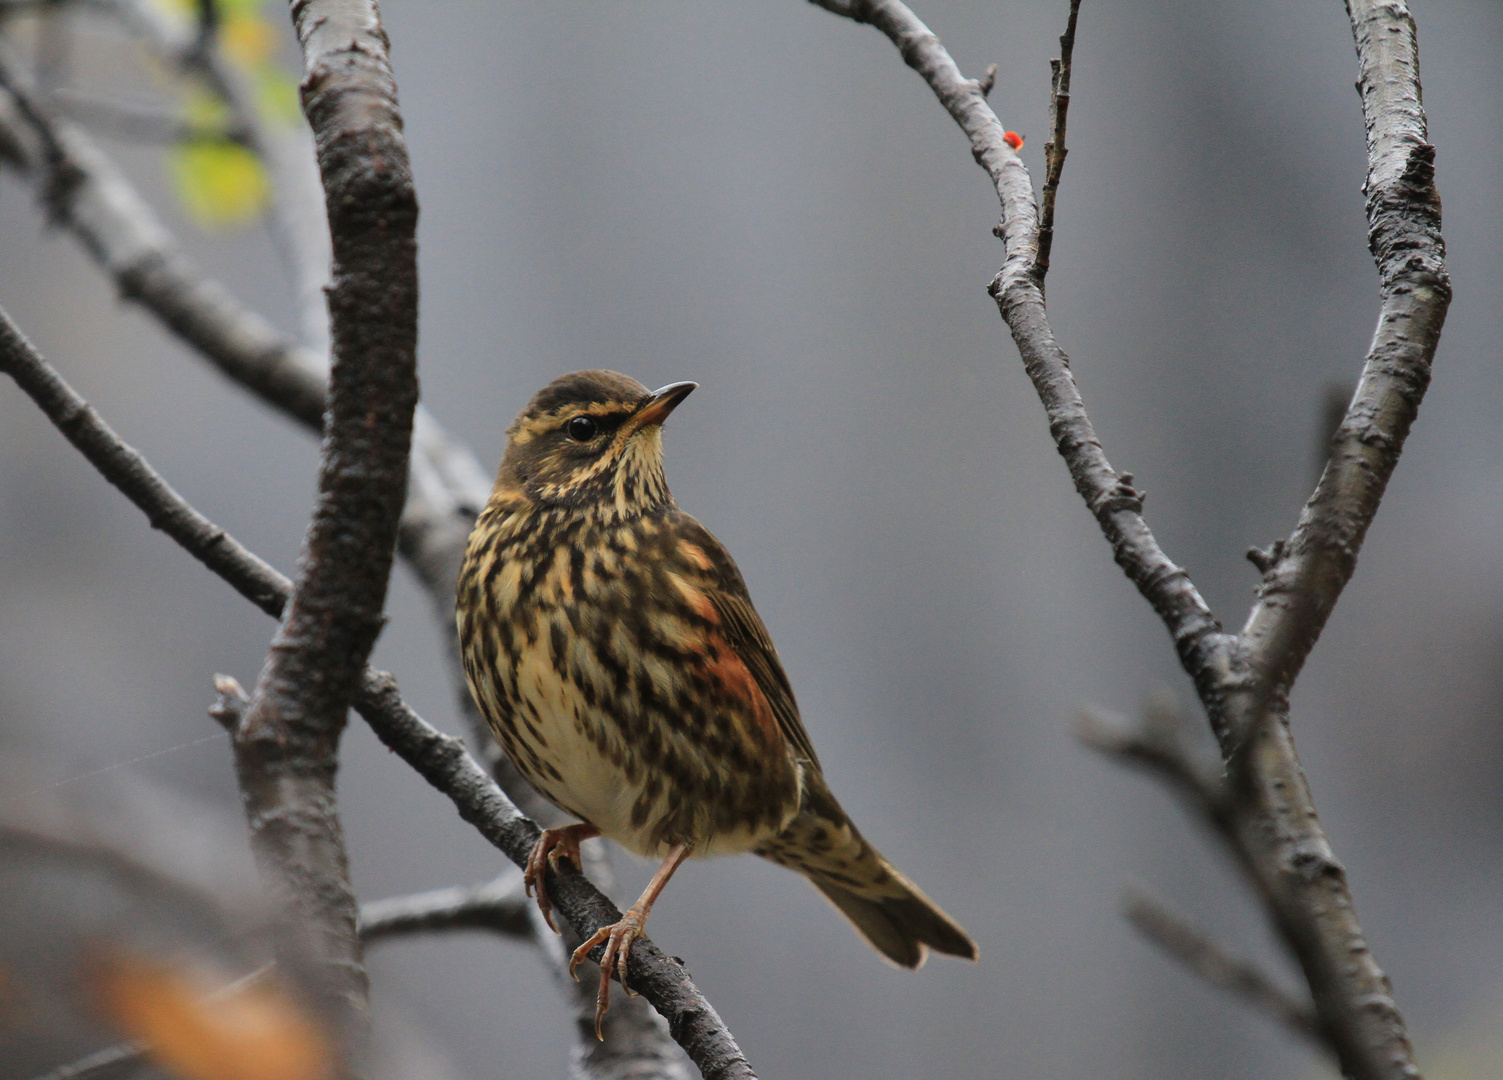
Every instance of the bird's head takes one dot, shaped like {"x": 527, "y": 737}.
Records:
{"x": 592, "y": 438}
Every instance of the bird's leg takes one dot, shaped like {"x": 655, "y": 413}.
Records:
{"x": 552, "y": 844}
{"x": 618, "y": 937}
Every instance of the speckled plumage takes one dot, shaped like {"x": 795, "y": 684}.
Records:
{"x": 611, "y": 643}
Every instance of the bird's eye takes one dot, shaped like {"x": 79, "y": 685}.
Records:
{"x": 583, "y": 428}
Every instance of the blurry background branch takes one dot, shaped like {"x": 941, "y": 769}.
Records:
{"x": 1244, "y": 680}
{"x": 499, "y": 906}
{"x": 1233, "y": 974}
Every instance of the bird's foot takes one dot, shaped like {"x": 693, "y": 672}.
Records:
{"x": 551, "y": 846}
{"x": 618, "y": 938}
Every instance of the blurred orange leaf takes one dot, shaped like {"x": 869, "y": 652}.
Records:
{"x": 255, "y": 1033}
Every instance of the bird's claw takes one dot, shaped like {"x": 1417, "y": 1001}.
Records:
{"x": 551, "y": 846}
{"x": 618, "y": 938}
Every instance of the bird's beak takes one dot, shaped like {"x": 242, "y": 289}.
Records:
{"x": 660, "y": 404}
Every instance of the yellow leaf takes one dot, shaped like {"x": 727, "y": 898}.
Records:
{"x": 247, "y": 39}
{"x": 255, "y": 1033}
{"x": 222, "y": 183}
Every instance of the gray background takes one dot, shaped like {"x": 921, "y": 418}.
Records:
{"x": 763, "y": 198}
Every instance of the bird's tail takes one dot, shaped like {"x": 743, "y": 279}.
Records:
{"x": 889, "y": 910}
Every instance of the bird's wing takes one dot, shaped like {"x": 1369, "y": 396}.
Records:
{"x": 746, "y": 635}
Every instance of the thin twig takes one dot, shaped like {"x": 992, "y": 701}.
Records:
{"x": 101, "y": 1061}
{"x": 1157, "y": 744}
{"x": 124, "y": 467}
{"x": 1233, "y": 974}
{"x": 1055, "y": 149}
{"x": 440, "y": 759}
{"x": 500, "y": 906}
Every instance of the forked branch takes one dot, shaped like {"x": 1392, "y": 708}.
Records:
{"x": 1243, "y": 680}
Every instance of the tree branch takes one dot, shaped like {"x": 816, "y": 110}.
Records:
{"x": 1110, "y": 496}
{"x": 124, "y": 467}
{"x": 1157, "y": 743}
{"x": 286, "y": 747}
{"x": 1055, "y": 149}
{"x": 438, "y": 758}
{"x": 1243, "y": 681}
{"x": 85, "y": 193}
{"x": 1403, "y": 213}
{"x": 500, "y": 906}
{"x": 1233, "y": 974}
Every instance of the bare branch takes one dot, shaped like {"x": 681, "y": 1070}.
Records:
{"x": 1157, "y": 743}
{"x": 1243, "y": 682}
{"x": 637, "y": 1045}
{"x": 1055, "y": 149}
{"x": 1233, "y": 974}
{"x": 91, "y": 198}
{"x": 438, "y": 758}
{"x": 500, "y": 906}
{"x": 127, "y": 470}
{"x": 1403, "y": 213}
{"x": 1116, "y": 504}
{"x": 286, "y": 748}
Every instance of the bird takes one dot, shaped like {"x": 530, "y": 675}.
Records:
{"x": 610, "y": 642}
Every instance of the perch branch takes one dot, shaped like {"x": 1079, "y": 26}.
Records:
{"x": 438, "y": 758}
